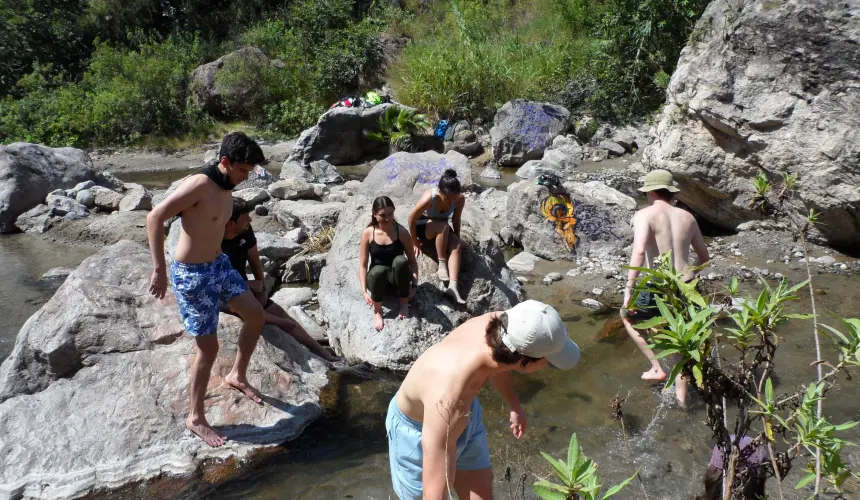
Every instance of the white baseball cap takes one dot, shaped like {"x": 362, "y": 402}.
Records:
{"x": 536, "y": 330}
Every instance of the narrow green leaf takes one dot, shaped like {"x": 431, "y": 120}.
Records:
{"x": 552, "y": 486}
{"x": 667, "y": 352}
{"x": 846, "y": 425}
{"x": 618, "y": 487}
{"x": 572, "y": 455}
{"x": 675, "y": 371}
{"x": 805, "y": 481}
{"x": 650, "y": 323}
{"x": 547, "y": 493}
{"x": 837, "y": 333}
{"x": 768, "y": 390}
{"x": 560, "y": 469}
{"x": 799, "y": 316}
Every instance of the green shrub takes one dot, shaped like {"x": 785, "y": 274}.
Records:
{"x": 290, "y": 117}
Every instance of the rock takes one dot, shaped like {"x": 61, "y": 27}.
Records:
{"x": 552, "y": 278}
{"x": 522, "y": 130}
{"x": 596, "y": 227}
{"x": 826, "y": 260}
{"x": 85, "y": 197}
{"x": 107, "y": 363}
{"x": 278, "y": 152}
{"x": 210, "y": 156}
{"x": 293, "y": 170}
{"x": 258, "y": 178}
{"x": 625, "y": 139}
{"x": 63, "y": 206}
{"x": 98, "y": 231}
{"x": 311, "y": 216}
{"x": 598, "y": 154}
{"x": 767, "y": 89}
{"x": 108, "y": 180}
{"x": 597, "y": 291}
{"x": 565, "y": 154}
{"x": 523, "y": 279}
{"x": 592, "y": 304}
{"x": 57, "y": 273}
{"x": 214, "y": 98}
{"x": 36, "y": 220}
{"x": 106, "y": 199}
{"x": 338, "y": 137}
{"x": 585, "y": 128}
{"x": 73, "y": 193}
{"x": 314, "y": 329}
{"x": 276, "y": 249}
{"x": 340, "y": 197}
{"x": 491, "y": 172}
{"x": 252, "y": 196}
{"x": 464, "y": 142}
{"x": 292, "y": 189}
{"x": 843, "y": 267}
{"x": 613, "y": 148}
{"x": 325, "y": 172}
{"x": 28, "y": 172}
{"x": 485, "y": 282}
{"x": 599, "y": 191}
{"x": 297, "y": 235}
{"x": 136, "y": 198}
{"x": 523, "y": 262}
{"x": 261, "y": 210}
{"x": 304, "y": 268}
{"x": 292, "y": 296}
{"x": 535, "y": 168}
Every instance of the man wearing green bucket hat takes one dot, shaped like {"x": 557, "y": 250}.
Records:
{"x": 658, "y": 229}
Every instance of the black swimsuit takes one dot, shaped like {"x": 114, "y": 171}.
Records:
{"x": 383, "y": 255}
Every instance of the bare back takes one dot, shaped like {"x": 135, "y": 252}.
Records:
{"x": 450, "y": 371}
{"x": 203, "y": 222}
{"x": 666, "y": 228}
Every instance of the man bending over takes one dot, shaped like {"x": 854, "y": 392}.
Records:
{"x": 202, "y": 276}
{"x": 440, "y": 391}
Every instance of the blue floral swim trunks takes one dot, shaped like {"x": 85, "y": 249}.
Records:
{"x": 201, "y": 288}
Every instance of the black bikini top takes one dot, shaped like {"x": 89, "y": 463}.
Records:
{"x": 219, "y": 178}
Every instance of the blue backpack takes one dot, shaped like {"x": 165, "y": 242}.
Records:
{"x": 441, "y": 128}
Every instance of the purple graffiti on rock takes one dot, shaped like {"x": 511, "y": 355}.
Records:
{"x": 429, "y": 171}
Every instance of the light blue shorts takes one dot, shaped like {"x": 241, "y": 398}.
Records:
{"x": 407, "y": 457}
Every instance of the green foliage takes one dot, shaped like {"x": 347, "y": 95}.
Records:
{"x": 288, "y": 118}
{"x": 397, "y": 127}
{"x": 761, "y": 184}
{"x": 579, "y": 478}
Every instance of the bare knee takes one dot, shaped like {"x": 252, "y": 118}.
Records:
{"x": 207, "y": 348}
{"x": 455, "y": 244}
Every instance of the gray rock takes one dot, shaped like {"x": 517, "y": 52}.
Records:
{"x": 340, "y": 197}
{"x": 491, "y": 172}
{"x": 825, "y": 260}
{"x": 535, "y": 168}
{"x": 98, "y": 231}
{"x": 293, "y": 170}
{"x": 565, "y": 154}
{"x": 85, "y": 197}
{"x": 596, "y": 190}
{"x": 210, "y": 156}
{"x": 258, "y": 178}
{"x": 339, "y": 136}
{"x": 769, "y": 88}
{"x": 293, "y": 296}
{"x": 72, "y": 193}
{"x": 28, "y": 172}
{"x": 522, "y": 130}
{"x": 63, "y": 206}
{"x": 304, "y": 268}
{"x": 614, "y": 148}
{"x": 314, "y": 329}
{"x": 585, "y": 128}
{"x": 595, "y": 229}
{"x": 592, "y": 304}
{"x": 598, "y": 154}
{"x": 276, "y": 248}
{"x": 253, "y": 196}
{"x": 551, "y": 278}
{"x": 107, "y": 363}
{"x": 110, "y": 181}
{"x": 105, "y": 199}
{"x": 36, "y": 220}
{"x": 625, "y": 139}
{"x": 261, "y": 210}
{"x": 523, "y": 262}
{"x": 136, "y": 198}
{"x": 464, "y": 142}
{"x": 212, "y": 97}
{"x": 57, "y": 273}
{"x": 485, "y": 282}
{"x": 325, "y": 172}
{"x": 311, "y": 216}
{"x": 292, "y": 189}
{"x": 297, "y": 235}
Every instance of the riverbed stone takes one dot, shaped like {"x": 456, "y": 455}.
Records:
{"x": 110, "y": 181}
{"x": 136, "y": 197}
{"x": 252, "y": 196}
{"x": 86, "y": 198}
{"x": 485, "y": 282}
{"x": 28, "y": 172}
{"x": 312, "y": 216}
{"x": 522, "y": 130}
{"x": 533, "y": 169}
{"x": 597, "y": 190}
{"x": 292, "y": 189}
{"x": 290, "y": 296}
{"x": 325, "y": 172}
{"x": 523, "y": 262}
{"x": 108, "y": 363}
{"x": 63, "y": 206}
{"x": 614, "y": 148}
{"x": 565, "y": 154}
{"x": 767, "y": 89}
{"x": 305, "y": 268}
{"x": 258, "y": 178}
{"x": 585, "y": 128}
{"x": 106, "y": 200}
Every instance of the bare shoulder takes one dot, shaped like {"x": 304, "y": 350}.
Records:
{"x": 368, "y": 231}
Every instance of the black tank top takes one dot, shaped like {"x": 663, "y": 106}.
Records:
{"x": 383, "y": 255}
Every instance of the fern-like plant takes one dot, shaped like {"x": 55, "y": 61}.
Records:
{"x": 397, "y": 127}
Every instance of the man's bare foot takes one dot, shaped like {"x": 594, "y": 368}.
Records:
{"x": 455, "y": 295}
{"x": 204, "y": 431}
{"x": 404, "y": 310}
{"x": 378, "y": 322}
{"x": 245, "y": 388}
{"x": 654, "y": 374}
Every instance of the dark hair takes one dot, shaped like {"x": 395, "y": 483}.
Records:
{"x": 501, "y": 353}
{"x": 240, "y": 207}
{"x": 379, "y": 202}
{"x": 664, "y": 194}
{"x": 753, "y": 488}
{"x": 239, "y": 148}
{"x": 449, "y": 183}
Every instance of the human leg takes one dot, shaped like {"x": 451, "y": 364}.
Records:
{"x": 377, "y": 285}
{"x": 251, "y": 311}
{"x": 205, "y": 353}
{"x": 474, "y": 477}
{"x": 438, "y": 231}
{"x": 401, "y": 278}
{"x": 276, "y": 315}
{"x": 474, "y": 484}
{"x": 681, "y": 390}
{"x": 656, "y": 372}
{"x": 455, "y": 247}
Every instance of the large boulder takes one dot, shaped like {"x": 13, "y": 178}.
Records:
{"x": 28, "y": 172}
{"x": 522, "y": 130}
{"x": 565, "y": 154}
{"x": 485, "y": 282}
{"x": 136, "y": 198}
{"x": 94, "y": 394}
{"x": 769, "y": 88}
{"x": 258, "y": 178}
{"x": 212, "y": 97}
{"x": 311, "y": 216}
{"x": 338, "y": 137}
{"x": 573, "y": 220}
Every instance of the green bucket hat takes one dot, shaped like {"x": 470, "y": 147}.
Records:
{"x": 659, "y": 179}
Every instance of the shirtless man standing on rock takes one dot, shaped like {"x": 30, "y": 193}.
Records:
{"x": 203, "y": 278}
{"x": 440, "y": 391}
{"x": 658, "y": 229}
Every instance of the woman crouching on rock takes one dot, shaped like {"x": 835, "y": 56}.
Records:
{"x": 428, "y": 221}
{"x": 391, "y": 258}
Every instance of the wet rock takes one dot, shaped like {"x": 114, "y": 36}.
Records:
{"x": 767, "y": 86}
{"x": 598, "y": 154}
{"x": 136, "y": 198}
{"x": 565, "y": 154}
{"x": 523, "y": 262}
{"x": 107, "y": 363}
{"x": 592, "y": 304}
{"x": 28, "y": 172}
{"x": 522, "y": 130}
{"x": 57, "y": 273}
{"x": 485, "y": 282}
{"x": 826, "y": 260}
{"x": 551, "y": 278}
{"x": 292, "y": 296}
{"x": 597, "y": 291}
{"x": 535, "y": 168}
{"x": 491, "y": 172}
{"x": 36, "y": 220}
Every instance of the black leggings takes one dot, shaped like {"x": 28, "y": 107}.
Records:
{"x": 380, "y": 279}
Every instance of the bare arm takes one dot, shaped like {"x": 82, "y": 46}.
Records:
{"x": 504, "y": 384}
{"x": 362, "y": 259}
{"x": 406, "y": 238}
{"x": 188, "y": 193}
{"x": 641, "y": 231}
{"x": 257, "y": 270}
{"x": 443, "y": 423}
{"x": 416, "y": 212}
{"x": 458, "y": 214}
{"x": 699, "y": 246}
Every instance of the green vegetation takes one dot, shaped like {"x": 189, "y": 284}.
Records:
{"x": 397, "y": 127}
{"x": 96, "y": 72}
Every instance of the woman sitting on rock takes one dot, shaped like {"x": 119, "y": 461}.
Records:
{"x": 391, "y": 258}
{"x": 429, "y": 221}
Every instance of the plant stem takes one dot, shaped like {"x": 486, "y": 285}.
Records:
{"x": 817, "y": 358}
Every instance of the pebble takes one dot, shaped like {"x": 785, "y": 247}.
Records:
{"x": 794, "y": 265}
{"x": 798, "y": 254}
{"x": 769, "y": 261}
{"x": 597, "y": 291}
{"x": 786, "y": 258}
{"x": 551, "y": 277}
{"x": 843, "y": 267}
{"x": 522, "y": 279}
{"x": 573, "y": 272}
{"x": 778, "y": 276}
{"x": 592, "y": 304}
{"x": 826, "y": 260}
{"x": 712, "y": 276}
{"x": 737, "y": 253}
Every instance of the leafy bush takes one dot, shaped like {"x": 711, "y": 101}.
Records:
{"x": 290, "y": 117}
{"x": 397, "y": 127}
